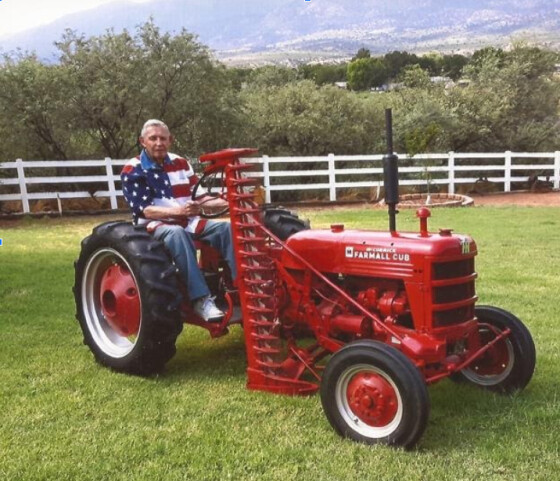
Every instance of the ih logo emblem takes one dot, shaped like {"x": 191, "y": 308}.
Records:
{"x": 349, "y": 251}
{"x": 465, "y": 246}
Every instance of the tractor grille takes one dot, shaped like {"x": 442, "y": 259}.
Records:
{"x": 450, "y": 270}
{"x": 445, "y": 294}
{"x": 453, "y": 292}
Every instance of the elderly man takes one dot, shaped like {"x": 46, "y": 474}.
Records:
{"x": 158, "y": 188}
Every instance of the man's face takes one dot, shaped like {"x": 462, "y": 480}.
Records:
{"x": 156, "y": 141}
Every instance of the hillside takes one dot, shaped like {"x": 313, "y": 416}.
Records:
{"x": 252, "y": 31}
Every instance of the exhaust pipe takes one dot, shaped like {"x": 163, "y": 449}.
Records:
{"x": 391, "y": 173}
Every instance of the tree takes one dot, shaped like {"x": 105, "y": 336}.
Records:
{"x": 361, "y": 53}
{"x": 323, "y": 74}
{"x": 359, "y": 74}
{"x": 512, "y": 100}
{"x": 396, "y": 61}
{"x": 105, "y": 85}
{"x": 431, "y": 63}
{"x": 365, "y": 73}
{"x": 117, "y": 81}
{"x": 271, "y": 76}
{"x": 483, "y": 56}
{"x": 303, "y": 119}
{"x": 413, "y": 76}
{"x": 36, "y": 123}
{"x": 238, "y": 77}
{"x": 452, "y": 65}
{"x": 511, "y": 103}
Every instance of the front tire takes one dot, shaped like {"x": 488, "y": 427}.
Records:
{"x": 127, "y": 297}
{"x": 372, "y": 393}
{"x": 508, "y": 365}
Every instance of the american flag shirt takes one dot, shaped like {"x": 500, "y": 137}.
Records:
{"x": 146, "y": 183}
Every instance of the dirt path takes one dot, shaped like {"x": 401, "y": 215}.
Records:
{"x": 545, "y": 199}
{"x": 519, "y": 198}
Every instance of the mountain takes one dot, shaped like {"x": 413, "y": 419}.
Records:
{"x": 255, "y": 31}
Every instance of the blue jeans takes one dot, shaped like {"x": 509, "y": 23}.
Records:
{"x": 180, "y": 244}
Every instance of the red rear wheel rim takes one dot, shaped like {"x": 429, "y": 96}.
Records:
{"x": 119, "y": 300}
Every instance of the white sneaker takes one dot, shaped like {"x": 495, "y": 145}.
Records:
{"x": 206, "y": 308}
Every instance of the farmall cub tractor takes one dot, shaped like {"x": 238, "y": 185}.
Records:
{"x": 368, "y": 318}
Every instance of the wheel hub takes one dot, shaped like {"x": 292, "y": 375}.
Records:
{"x": 494, "y": 361}
{"x": 119, "y": 300}
{"x": 372, "y": 399}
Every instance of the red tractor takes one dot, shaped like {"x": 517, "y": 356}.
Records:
{"x": 368, "y": 318}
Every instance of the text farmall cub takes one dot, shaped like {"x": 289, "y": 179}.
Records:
{"x": 368, "y": 318}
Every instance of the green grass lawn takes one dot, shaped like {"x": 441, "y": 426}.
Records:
{"x": 62, "y": 417}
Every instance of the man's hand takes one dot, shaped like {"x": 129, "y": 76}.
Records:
{"x": 208, "y": 201}
{"x": 190, "y": 209}
{"x": 212, "y": 205}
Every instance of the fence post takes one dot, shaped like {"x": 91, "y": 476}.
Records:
{"x": 451, "y": 172}
{"x": 111, "y": 183}
{"x": 266, "y": 180}
{"x": 332, "y": 178}
{"x": 507, "y": 171}
{"x": 22, "y": 186}
{"x": 557, "y": 169}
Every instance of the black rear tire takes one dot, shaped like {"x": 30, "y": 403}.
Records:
{"x": 283, "y": 223}
{"x": 133, "y": 329}
{"x": 507, "y": 366}
{"x": 372, "y": 393}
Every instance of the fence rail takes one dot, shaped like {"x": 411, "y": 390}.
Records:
{"x": 20, "y": 180}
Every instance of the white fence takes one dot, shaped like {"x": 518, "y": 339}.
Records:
{"x": 332, "y": 174}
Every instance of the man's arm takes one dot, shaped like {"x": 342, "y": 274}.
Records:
{"x": 138, "y": 196}
{"x": 175, "y": 212}
{"x": 209, "y": 201}
{"x": 135, "y": 189}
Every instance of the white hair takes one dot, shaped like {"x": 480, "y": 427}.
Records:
{"x": 153, "y": 123}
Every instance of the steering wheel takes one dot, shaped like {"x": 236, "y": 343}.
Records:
{"x": 213, "y": 186}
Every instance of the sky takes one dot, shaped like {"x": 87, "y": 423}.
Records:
{"x": 20, "y": 15}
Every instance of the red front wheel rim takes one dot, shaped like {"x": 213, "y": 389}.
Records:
{"x": 369, "y": 401}
{"x": 495, "y": 364}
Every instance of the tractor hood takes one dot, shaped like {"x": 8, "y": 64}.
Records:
{"x": 397, "y": 255}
